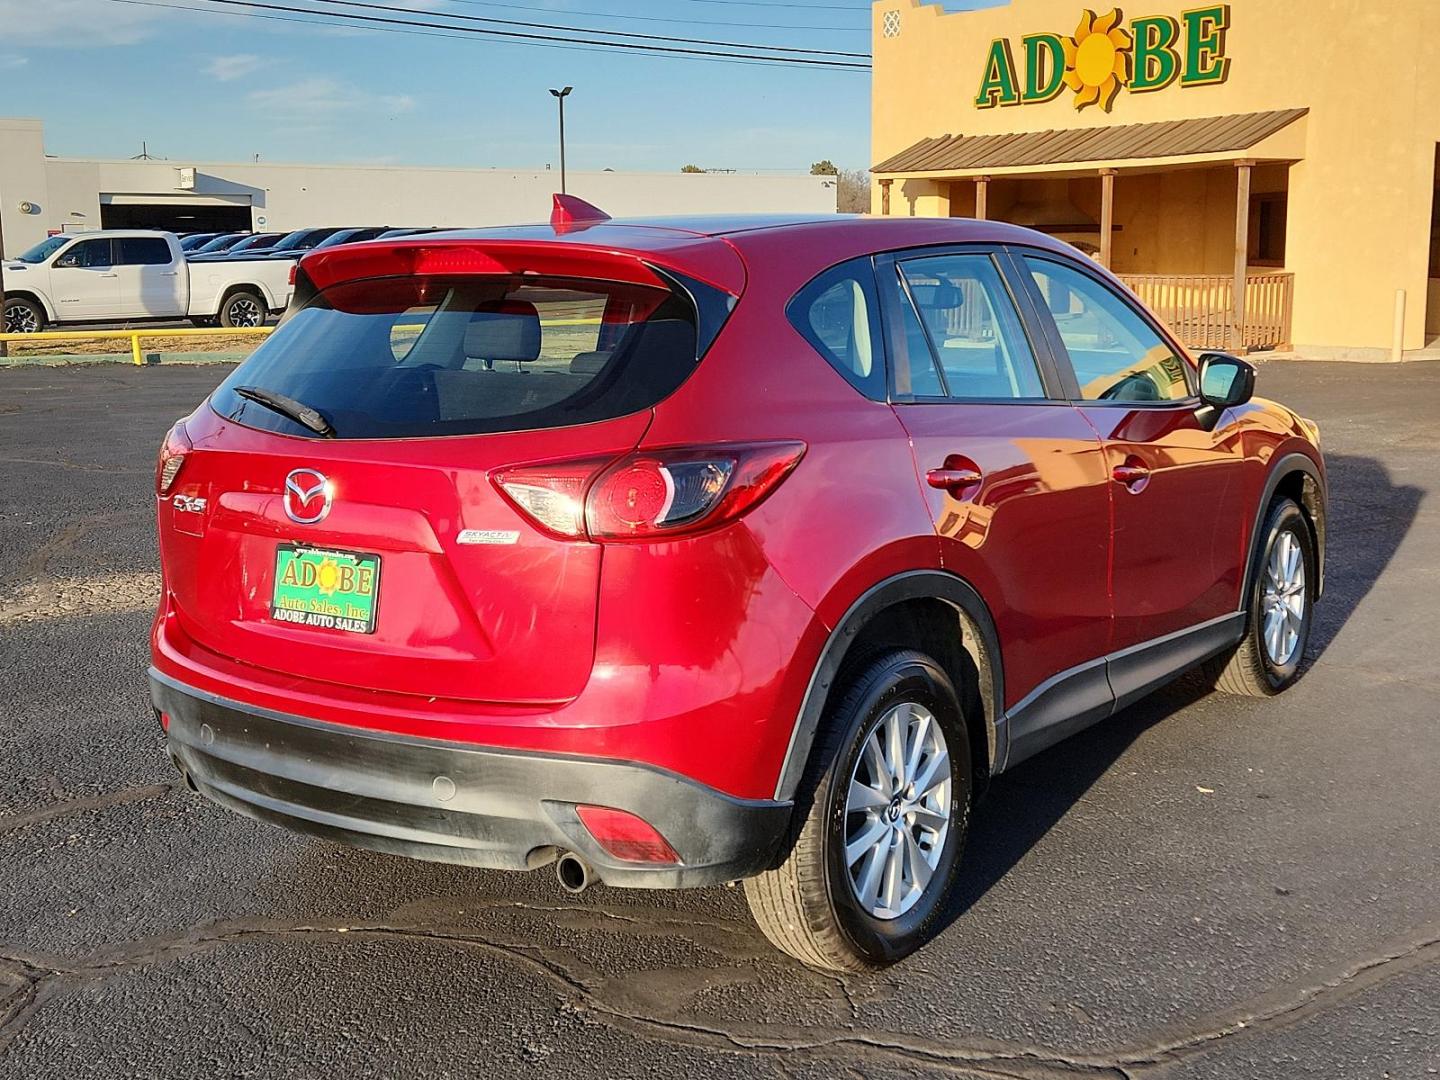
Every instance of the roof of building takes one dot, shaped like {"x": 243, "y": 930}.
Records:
{"x": 1168, "y": 138}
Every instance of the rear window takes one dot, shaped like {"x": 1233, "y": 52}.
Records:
{"x": 416, "y": 357}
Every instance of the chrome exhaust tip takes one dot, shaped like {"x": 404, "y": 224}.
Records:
{"x": 572, "y": 872}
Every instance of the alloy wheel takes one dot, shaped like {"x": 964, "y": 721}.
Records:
{"x": 21, "y": 320}
{"x": 245, "y": 313}
{"x": 897, "y": 811}
{"x": 1283, "y": 598}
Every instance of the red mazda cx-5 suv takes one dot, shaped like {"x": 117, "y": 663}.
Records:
{"x": 682, "y": 552}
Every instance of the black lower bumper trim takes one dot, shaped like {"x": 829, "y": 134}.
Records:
{"x": 451, "y": 802}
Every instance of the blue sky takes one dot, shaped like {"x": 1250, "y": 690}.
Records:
{"x": 105, "y": 75}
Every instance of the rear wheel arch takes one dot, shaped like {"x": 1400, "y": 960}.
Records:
{"x": 922, "y": 610}
{"x": 254, "y": 291}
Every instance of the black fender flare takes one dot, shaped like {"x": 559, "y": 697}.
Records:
{"x": 911, "y": 585}
{"x": 1287, "y": 465}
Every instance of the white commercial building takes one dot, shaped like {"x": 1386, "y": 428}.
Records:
{"x": 40, "y": 194}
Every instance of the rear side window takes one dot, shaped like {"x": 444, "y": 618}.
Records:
{"x": 144, "y": 251}
{"x": 838, "y": 314}
{"x": 416, "y": 357}
{"x": 972, "y": 328}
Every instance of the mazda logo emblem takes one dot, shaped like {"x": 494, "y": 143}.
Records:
{"x": 307, "y": 496}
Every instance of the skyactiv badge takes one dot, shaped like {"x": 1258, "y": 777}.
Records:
{"x": 1104, "y": 56}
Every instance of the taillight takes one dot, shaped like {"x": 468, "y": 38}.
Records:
{"x": 294, "y": 270}
{"x": 172, "y": 456}
{"x": 652, "y": 494}
{"x": 552, "y": 496}
{"x": 625, "y": 836}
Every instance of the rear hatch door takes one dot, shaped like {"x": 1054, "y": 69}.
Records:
{"x": 366, "y": 543}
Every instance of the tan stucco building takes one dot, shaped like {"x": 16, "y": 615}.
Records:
{"x": 1288, "y": 144}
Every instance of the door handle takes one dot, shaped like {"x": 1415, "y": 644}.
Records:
{"x": 167, "y": 273}
{"x": 109, "y": 275}
{"x": 953, "y": 480}
{"x": 1133, "y": 475}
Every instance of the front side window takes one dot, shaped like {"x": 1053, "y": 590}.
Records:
{"x": 837, "y": 313}
{"x": 968, "y": 323}
{"x": 87, "y": 254}
{"x": 144, "y": 251}
{"x": 1117, "y": 355}
{"x": 416, "y": 357}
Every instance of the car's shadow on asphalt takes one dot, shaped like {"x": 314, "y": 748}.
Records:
{"x": 1369, "y": 516}
{"x": 1026, "y": 802}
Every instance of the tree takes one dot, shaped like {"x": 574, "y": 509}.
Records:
{"x": 853, "y": 191}
{"x": 824, "y": 168}
{"x": 691, "y": 168}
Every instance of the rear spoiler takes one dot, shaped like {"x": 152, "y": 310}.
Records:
{"x": 461, "y": 257}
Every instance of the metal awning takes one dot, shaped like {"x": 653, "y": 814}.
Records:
{"x": 1166, "y": 139}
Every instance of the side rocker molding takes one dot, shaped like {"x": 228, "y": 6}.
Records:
{"x": 1090, "y": 692}
{"x": 1290, "y": 463}
{"x": 913, "y": 585}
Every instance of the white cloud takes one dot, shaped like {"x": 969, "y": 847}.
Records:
{"x": 76, "y": 23}
{"x": 236, "y": 66}
{"x": 11, "y": 61}
{"x": 319, "y": 98}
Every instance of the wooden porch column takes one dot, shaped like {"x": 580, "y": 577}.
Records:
{"x": 982, "y": 198}
{"x": 1242, "y": 252}
{"x": 885, "y": 196}
{"x": 1107, "y": 216}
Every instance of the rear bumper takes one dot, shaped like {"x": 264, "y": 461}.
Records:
{"x": 452, "y": 802}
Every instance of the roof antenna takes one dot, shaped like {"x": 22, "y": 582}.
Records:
{"x": 571, "y": 213}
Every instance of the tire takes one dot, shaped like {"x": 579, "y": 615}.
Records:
{"x": 23, "y": 316}
{"x": 809, "y": 906}
{"x": 243, "y": 308}
{"x": 1258, "y": 667}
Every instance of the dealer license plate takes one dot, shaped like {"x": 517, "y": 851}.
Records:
{"x": 325, "y": 588}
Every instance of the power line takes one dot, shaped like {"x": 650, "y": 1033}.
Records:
{"x": 865, "y": 10}
{"x": 662, "y": 19}
{"x": 587, "y": 30}
{"x": 324, "y": 20}
{"x": 515, "y": 35}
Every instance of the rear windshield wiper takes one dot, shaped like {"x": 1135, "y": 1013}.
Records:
{"x": 288, "y": 406}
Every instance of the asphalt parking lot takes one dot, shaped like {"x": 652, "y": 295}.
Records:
{"x": 1203, "y": 887}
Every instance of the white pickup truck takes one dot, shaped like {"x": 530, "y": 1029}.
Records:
{"x": 130, "y": 274}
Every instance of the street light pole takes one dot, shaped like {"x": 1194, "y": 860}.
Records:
{"x": 4, "y": 345}
{"x": 560, "y": 96}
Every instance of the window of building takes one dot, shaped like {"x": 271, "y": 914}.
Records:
{"x": 1116, "y": 355}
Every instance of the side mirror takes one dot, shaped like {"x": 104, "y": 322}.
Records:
{"x": 67, "y": 262}
{"x": 1225, "y": 380}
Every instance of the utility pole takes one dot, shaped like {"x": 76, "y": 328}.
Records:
{"x": 560, "y": 96}
{"x": 4, "y": 322}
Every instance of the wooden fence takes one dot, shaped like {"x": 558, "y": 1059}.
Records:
{"x": 1199, "y": 308}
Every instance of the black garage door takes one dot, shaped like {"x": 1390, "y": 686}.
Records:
{"x": 176, "y": 217}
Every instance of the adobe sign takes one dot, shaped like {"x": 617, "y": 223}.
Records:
{"x": 1105, "y": 56}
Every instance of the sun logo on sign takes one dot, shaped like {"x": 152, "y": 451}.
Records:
{"x": 327, "y": 576}
{"x": 1098, "y": 59}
